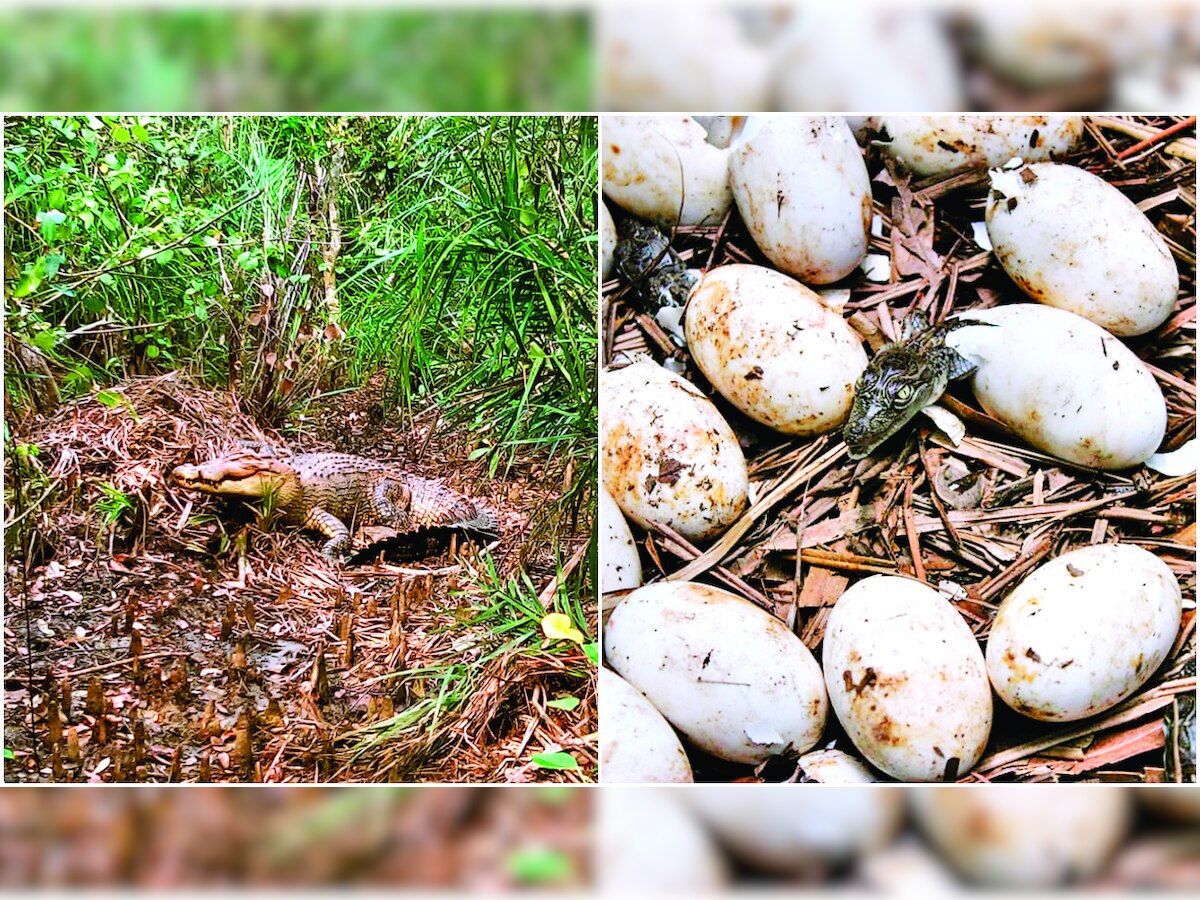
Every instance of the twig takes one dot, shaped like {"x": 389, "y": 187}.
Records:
{"x": 1155, "y": 138}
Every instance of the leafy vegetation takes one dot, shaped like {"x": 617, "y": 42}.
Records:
{"x": 289, "y": 257}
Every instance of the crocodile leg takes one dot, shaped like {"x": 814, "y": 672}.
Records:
{"x": 392, "y": 500}
{"x": 332, "y": 527}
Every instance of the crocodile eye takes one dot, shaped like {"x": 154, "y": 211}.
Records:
{"x": 903, "y": 393}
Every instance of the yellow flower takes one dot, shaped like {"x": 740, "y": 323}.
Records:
{"x": 558, "y": 625}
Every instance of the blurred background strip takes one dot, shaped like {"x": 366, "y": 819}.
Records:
{"x": 432, "y": 838}
{"x": 958, "y": 56}
{"x": 286, "y": 57}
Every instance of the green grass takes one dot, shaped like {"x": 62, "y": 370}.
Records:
{"x": 506, "y": 612}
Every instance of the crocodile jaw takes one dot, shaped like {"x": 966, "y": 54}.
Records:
{"x": 239, "y": 475}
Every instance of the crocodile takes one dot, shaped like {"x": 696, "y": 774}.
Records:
{"x": 330, "y": 492}
{"x": 902, "y": 379}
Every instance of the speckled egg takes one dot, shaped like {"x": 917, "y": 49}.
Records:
{"x": 906, "y": 679}
{"x": 773, "y": 350}
{"x": 803, "y": 190}
{"x": 1024, "y": 835}
{"x": 1070, "y": 239}
{"x": 1064, "y": 384}
{"x": 663, "y": 168}
{"x": 729, "y": 676}
{"x": 637, "y": 745}
{"x": 1083, "y": 632}
{"x": 943, "y": 145}
{"x": 667, "y": 455}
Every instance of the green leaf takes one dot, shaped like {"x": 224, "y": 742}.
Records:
{"x": 140, "y": 132}
{"x": 540, "y": 865}
{"x": 110, "y": 398}
{"x": 479, "y": 453}
{"x": 94, "y": 304}
{"x": 152, "y": 351}
{"x": 49, "y": 222}
{"x": 52, "y": 263}
{"x": 566, "y": 704}
{"x": 592, "y": 651}
{"x": 164, "y": 256}
{"x": 560, "y": 759}
{"x": 8, "y": 754}
{"x": 46, "y": 340}
{"x": 120, "y": 134}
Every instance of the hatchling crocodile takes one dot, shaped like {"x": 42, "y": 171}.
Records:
{"x": 330, "y": 492}
{"x": 903, "y": 379}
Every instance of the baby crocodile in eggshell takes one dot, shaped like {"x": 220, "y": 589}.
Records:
{"x": 645, "y": 259}
{"x": 902, "y": 379}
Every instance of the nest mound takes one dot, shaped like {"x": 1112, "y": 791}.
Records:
{"x": 172, "y": 638}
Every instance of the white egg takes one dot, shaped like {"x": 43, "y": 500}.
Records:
{"x": 1070, "y": 239}
{"x": 803, "y": 190}
{"x": 667, "y": 455}
{"x": 784, "y": 829}
{"x": 730, "y": 677}
{"x": 906, "y": 679}
{"x": 663, "y": 168}
{"x": 773, "y": 350}
{"x": 608, "y": 242}
{"x": 637, "y": 744}
{"x": 1064, "y": 384}
{"x": 653, "y": 58}
{"x": 1039, "y": 46}
{"x": 943, "y": 145}
{"x": 1083, "y": 632}
{"x": 819, "y": 61}
{"x": 622, "y": 566}
{"x": 834, "y": 767}
{"x": 1024, "y": 835}
{"x": 650, "y": 843}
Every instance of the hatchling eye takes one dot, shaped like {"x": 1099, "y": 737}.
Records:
{"x": 903, "y": 392}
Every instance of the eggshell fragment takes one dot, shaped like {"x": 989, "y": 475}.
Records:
{"x": 803, "y": 190}
{"x": 834, "y": 767}
{"x": 667, "y": 455}
{"x": 730, "y": 677}
{"x": 1070, "y": 239}
{"x": 1027, "y": 835}
{"x": 906, "y": 679}
{"x": 663, "y": 169}
{"x": 637, "y": 744}
{"x": 1083, "y": 632}
{"x": 773, "y": 350}
{"x": 784, "y": 829}
{"x": 944, "y": 145}
{"x": 622, "y": 566}
{"x": 1064, "y": 384}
